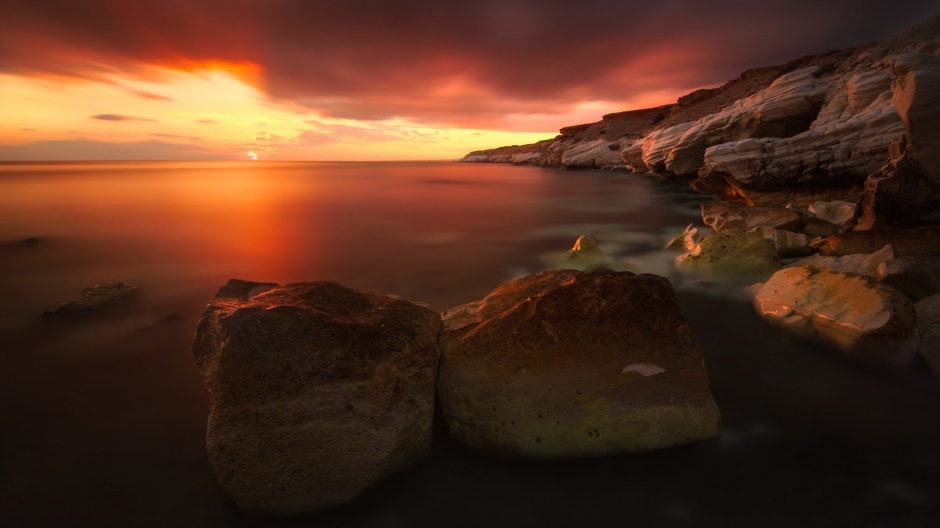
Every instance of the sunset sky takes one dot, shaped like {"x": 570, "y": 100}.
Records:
{"x": 376, "y": 80}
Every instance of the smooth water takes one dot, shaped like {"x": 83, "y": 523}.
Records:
{"x": 104, "y": 423}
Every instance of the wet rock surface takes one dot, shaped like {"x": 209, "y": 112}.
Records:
{"x": 567, "y": 363}
{"x": 317, "y": 392}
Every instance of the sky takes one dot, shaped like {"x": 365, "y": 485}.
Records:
{"x": 377, "y": 80}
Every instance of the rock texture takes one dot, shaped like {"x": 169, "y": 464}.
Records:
{"x": 730, "y": 252}
{"x": 856, "y": 125}
{"x": 568, "y": 363}
{"x": 731, "y": 215}
{"x": 853, "y": 312}
{"x": 96, "y": 299}
{"x": 317, "y": 392}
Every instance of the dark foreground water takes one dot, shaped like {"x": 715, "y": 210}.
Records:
{"x": 102, "y": 423}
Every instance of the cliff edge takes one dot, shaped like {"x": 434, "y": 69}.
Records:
{"x": 860, "y": 124}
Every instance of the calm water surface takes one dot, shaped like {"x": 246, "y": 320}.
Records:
{"x": 103, "y": 424}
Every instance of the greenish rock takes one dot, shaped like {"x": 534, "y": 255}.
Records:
{"x": 731, "y": 252}
{"x": 586, "y": 255}
{"x": 566, "y": 363}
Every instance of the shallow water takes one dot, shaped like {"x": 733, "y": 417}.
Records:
{"x": 104, "y": 422}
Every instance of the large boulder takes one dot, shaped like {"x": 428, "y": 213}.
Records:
{"x": 317, "y": 392}
{"x": 855, "y": 313}
{"x": 569, "y": 363}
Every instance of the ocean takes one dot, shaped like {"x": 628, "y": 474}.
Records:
{"x": 104, "y": 423}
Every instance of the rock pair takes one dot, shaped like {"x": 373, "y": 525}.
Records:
{"x": 318, "y": 392}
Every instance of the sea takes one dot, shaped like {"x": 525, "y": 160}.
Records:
{"x": 102, "y": 423}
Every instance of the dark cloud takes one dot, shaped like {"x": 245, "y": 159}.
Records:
{"x": 466, "y": 63}
{"x": 206, "y": 121}
{"x": 86, "y": 150}
{"x": 118, "y": 117}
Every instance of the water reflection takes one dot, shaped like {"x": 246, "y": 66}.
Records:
{"x": 444, "y": 233}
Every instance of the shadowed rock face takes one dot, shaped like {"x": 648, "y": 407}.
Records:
{"x": 317, "y": 391}
{"x": 568, "y": 363}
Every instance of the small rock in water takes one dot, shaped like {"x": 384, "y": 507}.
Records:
{"x": 587, "y": 255}
{"x": 687, "y": 241}
{"x": 853, "y": 312}
{"x": 567, "y": 363}
{"x": 96, "y": 300}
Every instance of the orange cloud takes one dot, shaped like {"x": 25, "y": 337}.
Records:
{"x": 469, "y": 64}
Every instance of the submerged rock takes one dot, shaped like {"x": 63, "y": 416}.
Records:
{"x": 97, "y": 299}
{"x": 317, "y": 392}
{"x": 586, "y": 255}
{"x": 568, "y": 363}
{"x": 853, "y": 312}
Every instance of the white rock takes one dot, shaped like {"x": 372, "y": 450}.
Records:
{"x": 838, "y": 212}
{"x": 852, "y": 312}
{"x": 596, "y": 154}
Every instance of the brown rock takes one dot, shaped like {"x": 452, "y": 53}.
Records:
{"x": 732, "y": 215}
{"x": 568, "y": 363}
{"x": 913, "y": 241}
{"x": 317, "y": 392}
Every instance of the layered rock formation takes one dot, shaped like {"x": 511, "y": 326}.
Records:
{"x": 568, "y": 363}
{"x": 821, "y": 127}
{"x": 317, "y": 392}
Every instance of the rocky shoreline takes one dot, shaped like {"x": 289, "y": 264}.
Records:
{"x": 857, "y": 125}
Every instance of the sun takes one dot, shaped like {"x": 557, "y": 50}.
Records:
{"x": 253, "y": 156}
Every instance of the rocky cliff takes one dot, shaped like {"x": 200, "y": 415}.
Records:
{"x": 858, "y": 124}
